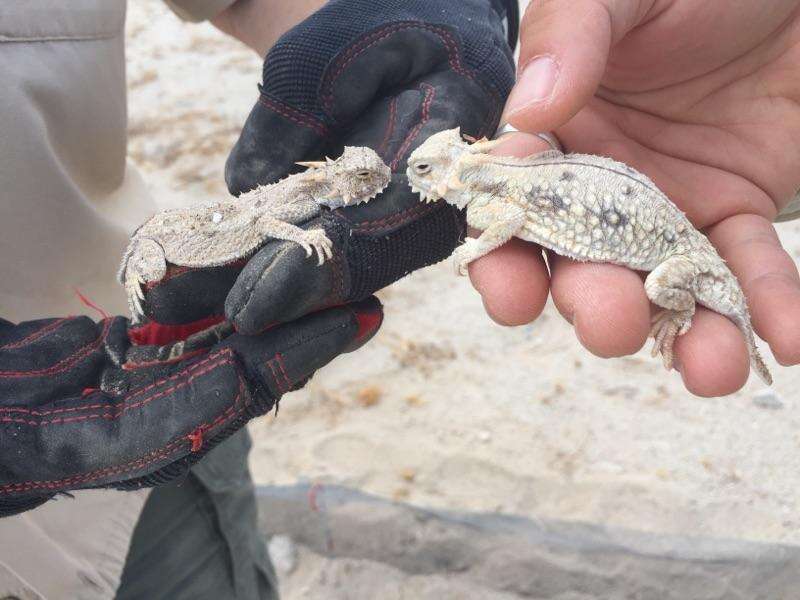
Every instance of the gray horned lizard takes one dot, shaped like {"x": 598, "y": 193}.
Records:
{"x": 588, "y": 208}
{"x": 216, "y": 234}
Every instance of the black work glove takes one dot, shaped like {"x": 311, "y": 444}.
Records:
{"x": 381, "y": 73}
{"x": 83, "y": 407}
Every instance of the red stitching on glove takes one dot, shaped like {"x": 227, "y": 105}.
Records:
{"x": 396, "y": 219}
{"x": 453, "y": 56}
{"x": 279, "y": 374}
{"x": 147, "y": 459}
{"x": 279, "y": 359}
{"x": 294, "y": 115}
{"x": 389, "y": 129}
{"x": 194, "y": 371}
{"x": 427, "y": 99}
{"x": 56, "y": 484}
{"x": 66, "y": 363}
{"x": 275, "y": 376}
{"x": 35, "y": 335}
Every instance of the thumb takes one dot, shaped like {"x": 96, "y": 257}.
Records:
{"x": 565, "y": 46}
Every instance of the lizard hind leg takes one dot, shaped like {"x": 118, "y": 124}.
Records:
{"x": 668, "y": 287}
{"x": 146, "y": 263}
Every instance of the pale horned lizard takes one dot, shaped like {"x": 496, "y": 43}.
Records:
{"x": 219, "y": 233}
{"x": 588, "y": 208}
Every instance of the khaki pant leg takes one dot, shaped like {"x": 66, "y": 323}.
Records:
{"x": 66, "y": 204}
{"x": 67, "y": 201}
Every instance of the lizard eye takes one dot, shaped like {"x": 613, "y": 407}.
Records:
{"x": 363, "y": 174}
{"x": 422, "y": 168}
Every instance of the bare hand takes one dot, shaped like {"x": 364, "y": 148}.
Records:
{"x": 704, "y": 97}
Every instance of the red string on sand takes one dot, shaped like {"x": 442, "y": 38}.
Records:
{"x": 90, "y": 304}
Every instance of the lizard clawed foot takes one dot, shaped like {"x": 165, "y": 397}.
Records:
{"x": 135, "y": 287}
{"x": 667, "y": 326}
{"x": 316, "y": 240}
{"x": 465, "y": 254}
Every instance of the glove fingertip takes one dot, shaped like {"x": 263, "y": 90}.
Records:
{"x": 369, "y": 316}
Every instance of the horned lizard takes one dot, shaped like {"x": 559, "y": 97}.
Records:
{"x": 219, "y": 233}
{"x": 588, "y": 208}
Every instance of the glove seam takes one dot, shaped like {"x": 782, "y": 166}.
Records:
{"x": 429, "y": 93}
{"x": 418, "y": 210}
{"x": 305, "y": 340}
{"x": 251, "y": 289}
{"x": 140, "y": 462}
{"x": 65, "y": 363}
{"x": 280, "y": 375}
{"x": 370, "y": 39}
{"x": 32, "y": 337}
{"x": 453, "y": 52}
{"x": 382, "y": 147}
{"x": 190, "y": 374}
{"x": 294, "y": 115}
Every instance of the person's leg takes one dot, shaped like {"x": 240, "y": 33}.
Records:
{"x": 62, "y": 155}
{"x": 197, "y": 537}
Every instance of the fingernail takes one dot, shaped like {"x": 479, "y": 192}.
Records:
{"x": 536, "y": 83}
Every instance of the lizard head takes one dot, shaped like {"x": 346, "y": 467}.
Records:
{"x": 433, "y": 168}
{"x": 358, "y": 175}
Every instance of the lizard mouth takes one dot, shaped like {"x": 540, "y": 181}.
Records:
{"x": 425, "y": 195}
{"x": 348, "y": 200}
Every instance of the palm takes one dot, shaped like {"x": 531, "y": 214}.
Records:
{"x": 704, "y": 97}
{"x": 708, "y": 111}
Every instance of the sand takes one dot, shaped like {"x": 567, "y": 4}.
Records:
{"x": 444, "y": 408}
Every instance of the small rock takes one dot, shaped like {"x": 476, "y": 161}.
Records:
{"x": 283, "y": 554}
{"x": 414, "y": 400}
{"x": 484, "y": 436}
{"x": 768, "y": 399}
{"x": 408, "y": 474}
{"x": 369, "y": 396}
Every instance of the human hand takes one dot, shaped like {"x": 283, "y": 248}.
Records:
{"x": 703, "y": 97}
{"x": 82, "y": 407}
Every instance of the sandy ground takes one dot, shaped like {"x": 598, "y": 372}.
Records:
{"x": 445, "y": 408}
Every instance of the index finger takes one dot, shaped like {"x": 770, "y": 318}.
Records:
{"x": 769, "y": 279}
{"x": 513, "y": 280}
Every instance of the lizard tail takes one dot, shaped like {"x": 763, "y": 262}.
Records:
{"x": 756, "y": 360}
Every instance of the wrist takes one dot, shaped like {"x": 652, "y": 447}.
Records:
{"x": 259, "y": 23}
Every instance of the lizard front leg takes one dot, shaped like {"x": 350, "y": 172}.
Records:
{"x": 312, "y": 240}
{"x": 668, "y": 286}
{"x": 500, "y": 222}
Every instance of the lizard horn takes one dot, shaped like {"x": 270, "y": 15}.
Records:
{"x": 311, "y": 164}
